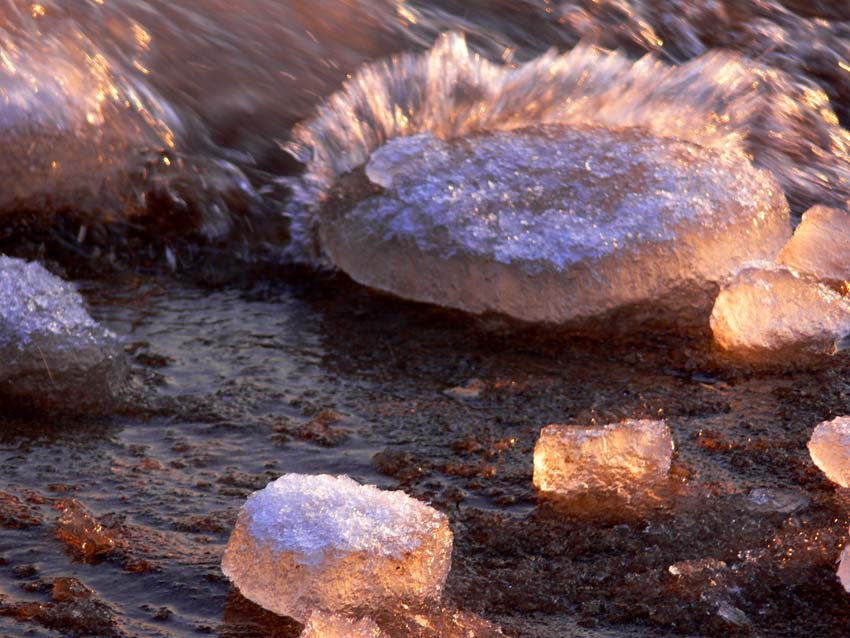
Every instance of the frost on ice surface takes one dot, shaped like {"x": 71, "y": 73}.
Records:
{"x": 844, "y": 568}
{"x": 829, "y": 448}
{"x": 52, "y": 351}
{"x": 821, "y": 245}
{"x": 306, "y": 543}
{"x": 571, "y": 459}
{"x": 770, "y": 312}
{"x": 557, "y": 224}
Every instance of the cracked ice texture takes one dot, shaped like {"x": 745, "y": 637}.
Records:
{"x": 570, "y": 459}
{"x": 829, "y": 448}
{"x": 306, "y": 543}
{"x": 557, "y": 224}
{"x": 820, "y": 245}
{"x": 766, "y": 313}
{"x": 52, "y": 351}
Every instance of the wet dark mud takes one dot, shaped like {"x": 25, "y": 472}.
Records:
{"x": 233, "y": 386}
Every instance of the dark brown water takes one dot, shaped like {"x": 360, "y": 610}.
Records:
{"x": 256, "y": 372}
{"x": 234, "y": 386}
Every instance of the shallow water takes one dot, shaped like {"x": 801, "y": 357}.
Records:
{"x": 170, "y": 126}
{"x": 225, "y": 379}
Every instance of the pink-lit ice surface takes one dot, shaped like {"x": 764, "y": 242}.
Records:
{"x": 618, "y": 457}
{"x": 557, "y": 224}
{"x": 829, "y": 448}
{"x": 772, "y": 313}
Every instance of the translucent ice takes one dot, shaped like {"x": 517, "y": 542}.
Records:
{"x": 324, "y": 625}
{"x": 557, "y": 224}
{"x": 402, "y": 622}
{"x": 570, "y": 459}
{"x": 770, "y": 312}
{"x": 820, "y": 245}
{"x": 52, "y": 350}
{"x": 306, "y": 543}
{"x": 830, "y": 449}
{"x": 844, "y": 568}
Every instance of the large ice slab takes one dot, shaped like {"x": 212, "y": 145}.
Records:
{"x": 306, "y": 543}
{"x": 52, "y": 351}
{"x": 829, "y": 448}
{"x": 770, "y": 313}
{"x": 821, "y": 245}
{"x": 622, "y": 457}
{"x": 556, "y": 223}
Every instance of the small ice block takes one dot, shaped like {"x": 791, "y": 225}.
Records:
{"x": 773, "y": 313}
{"x": 570, "y": 459}
{"x": 321, "y": 542}
{"x": 829, "y": 448}
{"x": 821, "y": 245}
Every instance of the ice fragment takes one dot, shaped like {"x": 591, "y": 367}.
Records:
{"x": 771, "y": 312}
{"x": 829, "y": 448}
{"x": 325, "y": 625}
{"x": 556, "y": 224}
{"x": 773, "y": 500}
{"x": 820, "y": 245}
{"x": 306, "y": 543}
{"x": 844, "y": 568}
{"x": 402, "y": 622}
{"x": 570, "y": 459}
{"x": 52, "y": 351}
{"x": 82, "y": 533}
{"x": 696, "y": 566}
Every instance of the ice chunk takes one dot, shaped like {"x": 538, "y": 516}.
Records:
{"x": 306, "y": 543}
{"x": 52, "y": 351}
{"x": 697, "y": 566}
{"x": 844, "y": 568}
{"x": 772, "y": 312}
{"x": 820, "y": 245}
{"x": 555, "y": 223}
{"x": 829, "y": 448}
{"x": 402, "y": 622}
{"x": 570, "y": 459}
{"x": 772, "y": 500}
{"x": 325, "y": 625}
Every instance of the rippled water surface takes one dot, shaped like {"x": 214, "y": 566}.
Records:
{"x": 169, "y": 158}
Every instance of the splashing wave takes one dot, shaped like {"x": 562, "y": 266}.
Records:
{"x": 720, "y": 100}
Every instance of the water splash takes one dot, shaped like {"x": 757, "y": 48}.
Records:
{"x": 128, "y": 110}
{"x": 720, "y": 99}
{"x": 137, "y": 110}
